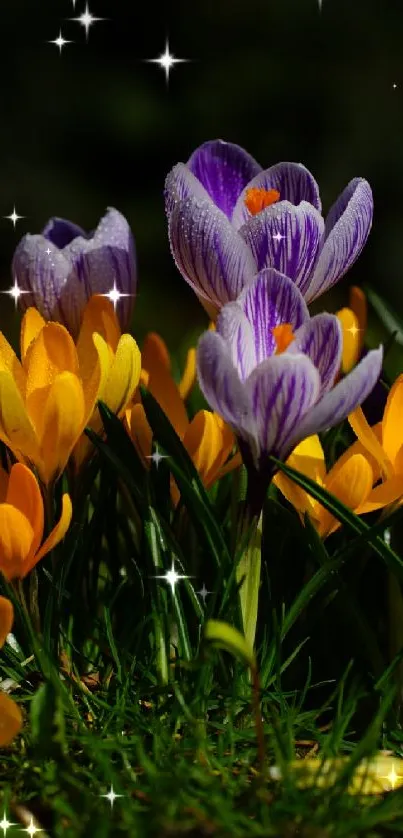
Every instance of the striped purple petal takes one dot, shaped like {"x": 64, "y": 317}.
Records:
{"x": 282, "y": 389}
{"x": 60, "y": 281}
{"x": 223, "y": 169}
{"x": 220, "y": 384}
{"x": 208, "y": 251}
{"x": 346, "y": 230}
{"x": 180, "y": 183}
{"x": 237, "y": 333}
{"x": 348, "y": 394}
{"x": 287, "y": 238}
{"x": 321, "y": 339}
{"x": 270, "y": 300}
{"x": 292, "y": 180}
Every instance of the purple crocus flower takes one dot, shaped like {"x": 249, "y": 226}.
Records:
{"x": 275, "y": 386}
{"x": 63, "y": 267}
{"x": 228, "y": 219}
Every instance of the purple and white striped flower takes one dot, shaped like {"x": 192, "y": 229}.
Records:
{"x": 269, "y": 370}
{"x": 228, "y": 219}
{"x": 63, "y": 267}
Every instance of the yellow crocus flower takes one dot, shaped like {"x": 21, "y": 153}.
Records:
{"x": 350, "y": 480}
{"x": 48, "y": 398}
{"x": 10, "y": 713}
{"x": 22, "y": 522}
{"x": 207, "y": 438}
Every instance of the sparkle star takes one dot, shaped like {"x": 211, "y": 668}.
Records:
{"x": 392, "y": 778}
{"x": 60, "y": 42}
{"x": 277, "y": 237}
{"x": 14, "y": 217}
{"x": 353, "y": 330}
{"x": 15, "y": 291}
{"x": 111, "y": 796}
{"x": 114, "y": 295}
{"x": 31, "y": 828}
{"x": 6, "y": 824}
{"x": 394, "y": 86}
{"x": 166, "y": 61}
{"x": 86, "y": 19}
{"x": 172, "y": 577}
{"x": 203, "y": 593}
{"x": 156, "y": 457}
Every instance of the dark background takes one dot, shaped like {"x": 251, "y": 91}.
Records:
{"x": 97, "y": 127}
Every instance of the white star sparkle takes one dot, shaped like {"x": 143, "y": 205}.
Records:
{"x": 394, "y": 85}
{"x": 203, "y": 593}
{"x": 15, "y": 291}
{"x": 392, "y": 778}
{"x": 114, "y": 295}
{"x": 277, "y": 237}
{"x": 86, "y": 19}
{"x": 14, "y": 217}
{"x": 156, "y": 457}
{"x": 32, "y": 829}
{"x": 111, "y": 796}
{"x": 166, "y": 61}
{"x": 172, "y": 577}
{"x": 60, "y": 42}
{"x": 6, "y": 824}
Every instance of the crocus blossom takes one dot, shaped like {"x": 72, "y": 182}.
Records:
{"x": 269, "y": 370}
{"x": 228, "y": 219}
{"x": 22, "y": 522}
{"x": 350, "y": 479}
{"x": 10, "y": 713}
{"x": 207, "y": 438}
{"x": 48, "y": 397}
{"x": 63, "y": 267}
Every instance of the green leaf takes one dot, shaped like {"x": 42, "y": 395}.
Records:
{"x": 47, "y": 722}
{"x": 223, "y": 636}
{"x": 249, "y": 568}
{"x": 344, "y": 515}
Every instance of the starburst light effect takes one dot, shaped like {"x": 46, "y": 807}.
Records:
{"x": 166, "y": 61}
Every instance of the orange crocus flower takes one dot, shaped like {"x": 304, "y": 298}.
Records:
{"x": 10, "y": 713}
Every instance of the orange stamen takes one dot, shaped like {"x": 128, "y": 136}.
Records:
{"x": 283, "y": 335}
{"x": 258, "y": 199}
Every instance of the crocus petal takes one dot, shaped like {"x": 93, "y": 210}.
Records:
{"x": 346, "y": 230}
{"x": 31, "y": 326}
{"x": 161, "y": 384}
{"x": 392, "y": 435}
{"x": 344, "y": 398}
{"x": 10, "y": 719}
{"x": 10, "y": 362}
{"x": 124, "y": 375}
{"x": 58, "y": 532}
{"x": 179, "y": 185}
{"x": 287, "y": 238}
{"x": 52, "y": 353}
{"x": 292, "y": 180}
{"x": 62, "y": 423}
{"x": 372, "y": 441}
{"x": 223, "y": 169}
{"x": 61, "y": 232}
{"x": 320, "y": 338}
{"x": 16, "y": 536}
{"x": 189, "y": 374}
{"x": 139, "y": 430}
{"x": 309, "y": 459}
{"x": 98, "y": 316}
{"x": 268, "y": 301}
{"x": 237, "y": 332}
{"x": 6, "y": 619}
{"x": 383, "y": 495}
{"x": 24, "y": 494}
{"x": 202, "y": 441}
{"x": 352, "y": 485}
{"x": 220, "y": 384}
{"x": 16, "y": 429}
{"x": 41, "y": 274}
{"x": 281, "y": 389}
{"x": 352, "y": 340}
{"x": 209, "y": 253}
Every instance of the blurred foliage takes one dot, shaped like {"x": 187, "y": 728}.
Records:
{"x": 96, "y": 126}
